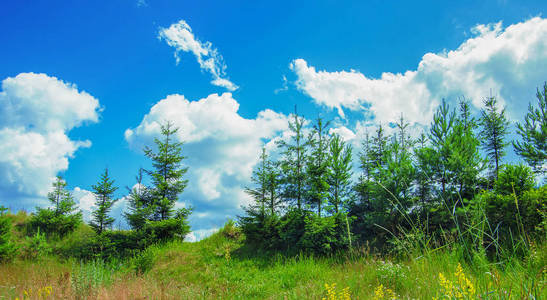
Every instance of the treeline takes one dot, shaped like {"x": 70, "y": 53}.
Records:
{"x": 450, "y": 186}
{"x": 151, "y": 213}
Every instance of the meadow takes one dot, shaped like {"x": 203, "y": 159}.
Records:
{"x": 222, "y": 266}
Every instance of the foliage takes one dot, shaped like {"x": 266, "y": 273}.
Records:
{"x": 339, "y": 173}
{"x": 144, "y": 261}
{"x": 60, "y": 220}
{"x": 103, "y": 191}
{"x": 514, "y": 179}
{"x": 324, "y": 235}
{"x": 494, "y": 131}
{"x": 317, "y": 169}
{"x": 293, "y": 163}
{"x": 35, "y": 247}
{"x": 167, "y": 173}
{"x": 140, "y": 204}
{"x": 7, "y": 246}
{"x": 533, "y": 147}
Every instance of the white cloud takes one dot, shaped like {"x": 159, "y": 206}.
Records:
{"x": 36, "y": 112}
{"x": 180, "y": 36}
{"x": 511, "y": 62}
{"x": 345, "y": 133}
{"x": 222, "y": 149}
{"x": 86, "y": 202}
{"x": 198, "y": 235}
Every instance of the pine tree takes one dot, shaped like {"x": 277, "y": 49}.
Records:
{"x": 273, "y": 182}
{"x": 140, "y": 204}
{"x": 317, "y": 167}
{"x": 533, "y": 147}
{"x": 465, "y": 161}
{"x": 103, "y": 191}
{"x": 495, "y": 128}
{"x": 63, "y": 218}
{"x": 424, "y": 162}
{"x": 59, "y": 195}
{"x": 363, "y": 186}
{"x": 167, "y": 172}
{"x": 439, "y": 135}
{"x": 339, "y": 175}
{"x": 260, "y": 180}
{"x": 293, "y": 163}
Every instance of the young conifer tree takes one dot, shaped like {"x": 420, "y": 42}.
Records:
{"x": 63, "y": 217}
{"x": 533, "y": 147}
{"x": 317, "y": 165}
{"x": 167, "y": 173}
{"x": 293, "y": 163}
{"x": 260, "y": 180}
{"x": 140, "y": 205}
{"x": 339, "y": 175}
{"x": 273, "y": 185}
{"x": 266, "y": 179}
{"x": 466, "y": 162}
{"x": 103, "y": 191}
{"x": 439, "y": 135}
{"x": 495, "y": 128}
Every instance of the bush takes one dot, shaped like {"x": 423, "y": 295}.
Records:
{"x": 53, "y": 224}
{"x": 86, "y": 244}
{"x": 518, "y": 177}
{"x": 292, "y": 227}
{"x": 7, "y": 247}
{"x": 231, "y": 231}
{"x": 35, "y": 247}
{"x": 510, "y": 217}
{"x": 165, "y": 230}
{"x": 260, "y": 229}
{"x": 324, "y": 235}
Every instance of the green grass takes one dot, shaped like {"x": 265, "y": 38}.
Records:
{"x": 222, "y": 267}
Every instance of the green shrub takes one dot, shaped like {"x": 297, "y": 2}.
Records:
{"x": 35, "y": 247}
{"x": 53, "y": 224}
{"x": 260, "y": 229}
{"x": 165, "y": 230}
{"x": 86, "y": 244}
{"x": 324, "y": 235}
{"x": 518, "y": 178}
{"x": 7, "y": 247}
{"x": 511, "y": 220}
{"x": 144, "y": 261}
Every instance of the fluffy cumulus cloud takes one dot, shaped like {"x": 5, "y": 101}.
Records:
{"x": 180, "y": 36}
{"x": 36, "y": 113}
{"x": 222, "y": 148}
{"x": 511, "y": 62}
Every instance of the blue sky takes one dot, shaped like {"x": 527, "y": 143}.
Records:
{"x": 84, "y": 84}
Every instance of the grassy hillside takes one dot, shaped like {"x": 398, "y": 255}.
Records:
{"x": 222, "y": 267}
